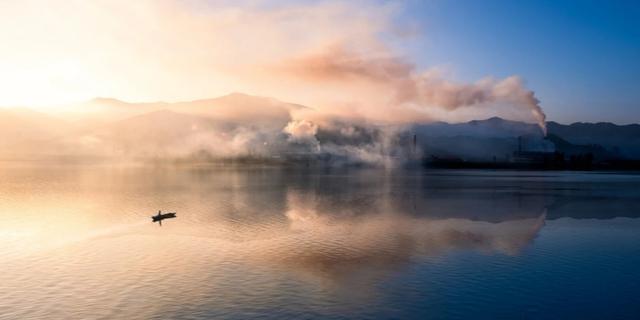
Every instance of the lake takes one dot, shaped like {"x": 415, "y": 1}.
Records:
{"x": 77, "y": 242}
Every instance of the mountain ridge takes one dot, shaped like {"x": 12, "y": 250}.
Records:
{"x": 240, "y": 95}
{"x": 246, "y": 125}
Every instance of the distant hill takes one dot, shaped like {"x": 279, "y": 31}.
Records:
{"x": 240, "y": 108}
{"x": 24, "y": 131}
{"x": 154, "y": 134}
{"x": 235, "y": 107}
{"x": 490, "y": 128}
{"x": 231, "y": 125}
{"x": 624, "y": 139}
{"x": 478, "y": 140}
{"x": 241, "y": 125}
{"x": 104, "y": 110}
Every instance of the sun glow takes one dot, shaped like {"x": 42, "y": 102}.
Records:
{"x": 57, "y": 53}
{"x": 44, "y": 84}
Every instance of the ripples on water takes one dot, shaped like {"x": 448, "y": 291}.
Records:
{"x": 78, "y": 243}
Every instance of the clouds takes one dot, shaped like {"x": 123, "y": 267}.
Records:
{"x": 159, "y": 50}
{"x": 329, "y": 55}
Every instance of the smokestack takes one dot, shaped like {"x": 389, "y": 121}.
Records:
{"x": 519, "y": 144}
{"x": 415, "y": 142}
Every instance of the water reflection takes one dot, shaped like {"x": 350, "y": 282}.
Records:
{"x": 79, "y": 240}
{"x": 333, "y": 239}
{"x": 67, "y": 204}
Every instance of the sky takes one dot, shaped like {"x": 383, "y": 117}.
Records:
{"x": 438, "y": 60}
{"x": 582, "y": 58}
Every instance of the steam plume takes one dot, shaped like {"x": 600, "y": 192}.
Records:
{"x": 409, "y": 88}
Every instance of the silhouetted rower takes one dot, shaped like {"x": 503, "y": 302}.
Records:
{"x": 161, "y": 216}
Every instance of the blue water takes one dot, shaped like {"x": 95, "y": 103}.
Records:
{"x": 273, "y": 243}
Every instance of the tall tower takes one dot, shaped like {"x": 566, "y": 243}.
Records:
{"x": 415, "y": 143}
{"x": 519, "y": 144}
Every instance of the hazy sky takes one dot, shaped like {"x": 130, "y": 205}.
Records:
{"x": 582, "y": 58}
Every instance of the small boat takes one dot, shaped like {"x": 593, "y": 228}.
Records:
{"x": 161, "y": 216}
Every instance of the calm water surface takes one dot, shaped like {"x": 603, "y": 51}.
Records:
{"x": 76, "y": 242}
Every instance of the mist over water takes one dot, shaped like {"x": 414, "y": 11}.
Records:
{"x": 77, "y": 242}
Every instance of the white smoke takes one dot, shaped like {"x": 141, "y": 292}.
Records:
{"x": 301, "y": 130}
{"x": 390, "y": 88}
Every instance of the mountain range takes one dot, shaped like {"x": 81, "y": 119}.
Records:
{"x": 240, "y": 125}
